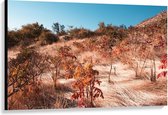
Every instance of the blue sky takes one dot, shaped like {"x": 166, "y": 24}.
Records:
{"x": 77, "y": 14}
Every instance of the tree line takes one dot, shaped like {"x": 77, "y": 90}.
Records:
{"x": 37, "y": 33}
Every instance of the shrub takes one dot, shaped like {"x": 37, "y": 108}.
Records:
{"x": 24, "y": 70}
{"x": 39, "y": 96}
{"x": 26, "y": 35}
{"x": 112, "y": 31}
{"x": 65, "y": 37}
{"x": 47, "y": 38}
{"x": 31, "y": 31}
{"x": 80, "y": 33}
{"x": 13, "y": 38}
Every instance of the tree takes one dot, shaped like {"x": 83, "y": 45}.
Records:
{"x": 86, "y": 84}
{"x": 123, "y": 26}
{"x": 65, "y": 61}
{"x": 56, "y": 27}
{"x": 62, "y": 27}
{"x": 56, "y": 62}
{"x": 101, "y": 25}
{"x": 70, "y": 27}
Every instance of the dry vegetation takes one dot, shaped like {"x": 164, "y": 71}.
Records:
{"x": 111, "y": 66}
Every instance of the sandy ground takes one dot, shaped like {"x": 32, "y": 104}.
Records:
{"x": 124, "y": 90}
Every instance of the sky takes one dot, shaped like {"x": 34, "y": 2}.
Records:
{"x": 77, "y": 14}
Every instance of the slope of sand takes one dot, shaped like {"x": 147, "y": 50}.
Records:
{"x": 124, "y": 90}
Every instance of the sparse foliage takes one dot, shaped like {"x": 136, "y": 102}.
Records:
{"x": 24, "y": 70}
{"x": 163, "y": 66}
{"x": 86, "y": 85}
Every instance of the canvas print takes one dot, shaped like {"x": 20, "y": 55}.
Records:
{"x": 79, "y": 55}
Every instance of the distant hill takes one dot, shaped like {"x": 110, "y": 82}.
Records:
{"x": 150, "y": 33}
{"x": 156, "y": 19}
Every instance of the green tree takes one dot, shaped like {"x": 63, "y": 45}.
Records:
{"x": 56, "y": 27}
{"x": 62, "y": 27}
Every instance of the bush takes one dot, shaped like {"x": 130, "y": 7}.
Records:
{"x": 25, "y": 70}
{"x": 47, "y": 37}
{"x": 65, "y": 37}
{"x": 39, "y": 96}
{"x": 112, "y": 31}
{"x": 25, "y": 36}
{"x": 31, "y": 31}
{"x": 13, "y": 38}
{"x": 80, "y": 33}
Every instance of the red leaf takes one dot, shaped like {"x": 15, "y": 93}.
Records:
{"x": 162, "y": 74}
{"x": 75, "y": 96}
{"x": 81, "y": 102}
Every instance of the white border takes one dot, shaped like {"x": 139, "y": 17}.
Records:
{"x": 133, "y": 2}
{"x": 113, "y": 111}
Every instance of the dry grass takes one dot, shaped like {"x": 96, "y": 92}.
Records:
{"x": 39, "y": 96}
{"x": 158, "y": 86}
{"x": 63, "y": 88}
